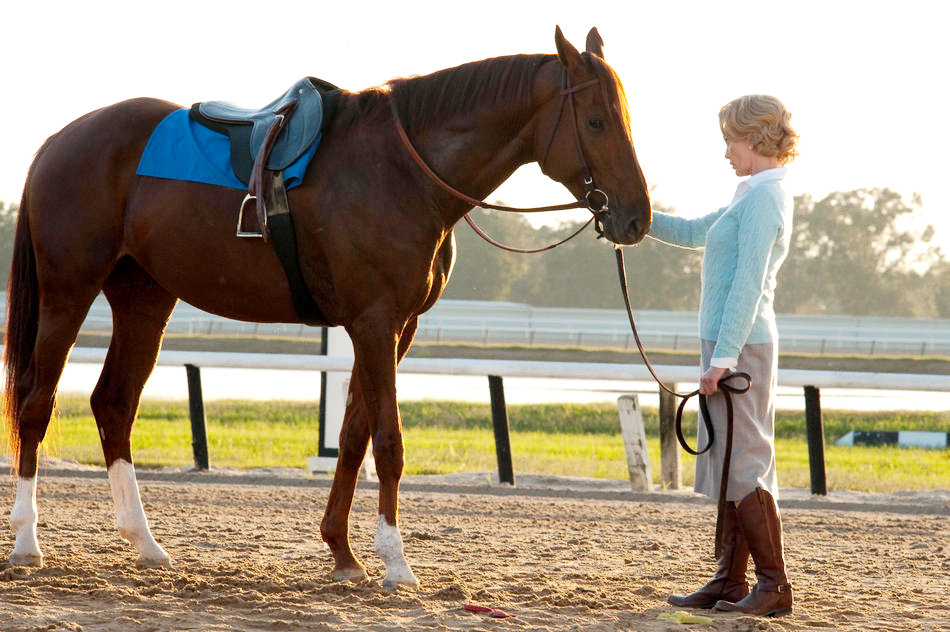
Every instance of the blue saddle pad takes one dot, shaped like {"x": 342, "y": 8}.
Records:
{"x": 182, "y": 149}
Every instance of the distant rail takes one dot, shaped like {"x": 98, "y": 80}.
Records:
{"x": 501, "y": 323}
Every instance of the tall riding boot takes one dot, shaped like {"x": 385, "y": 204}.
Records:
{"x": 761, "y": 525}
{"x": 729, "y": 582}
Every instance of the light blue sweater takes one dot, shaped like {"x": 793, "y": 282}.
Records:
{"x": 745, "y": 244}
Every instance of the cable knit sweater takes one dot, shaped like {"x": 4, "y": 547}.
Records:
{"x": 745, "y": 244}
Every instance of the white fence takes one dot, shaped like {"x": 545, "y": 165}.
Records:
{"x": 514, "y": 368}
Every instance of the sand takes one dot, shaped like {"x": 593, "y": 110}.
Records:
{"x": 558, "y": 554}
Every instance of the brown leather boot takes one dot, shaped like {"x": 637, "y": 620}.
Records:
{"x": 729, "y": 581}
{"x": 761, "y": 525}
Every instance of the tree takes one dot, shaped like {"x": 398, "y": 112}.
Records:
{"x": 8, "y": 215}
{"x": 850, "y": 254}
{"x": 482, "y": 271}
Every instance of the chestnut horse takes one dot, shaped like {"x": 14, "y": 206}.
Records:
{"x": 376, "y": 250}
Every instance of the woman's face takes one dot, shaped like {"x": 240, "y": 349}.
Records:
{"x": 741, "y": 156}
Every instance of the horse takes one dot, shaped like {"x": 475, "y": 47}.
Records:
{"x": 376, "y": 250}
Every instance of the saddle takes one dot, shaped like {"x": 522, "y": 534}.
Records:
{"x": 303, "y": 113}
{"x": 264, "y": 142}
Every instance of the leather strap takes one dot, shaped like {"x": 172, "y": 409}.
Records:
{"x": 725, "y": 388}
{"x": 259, "y": 185}
{"x": 455, "y": 192}
{"x": 524, "y": 251}
{"x": 280, "y": 224}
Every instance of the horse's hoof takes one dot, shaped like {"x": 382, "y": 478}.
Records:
{"x": 26, "y": 559}
{"x": 394, "y": 583}
{"x": 159, "y": 562}
{"x": 353, "y": 574}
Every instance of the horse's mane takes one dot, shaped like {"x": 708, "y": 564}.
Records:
{"x": 431, "y": 99}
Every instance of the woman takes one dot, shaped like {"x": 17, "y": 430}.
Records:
{"x": 745, "y": 244}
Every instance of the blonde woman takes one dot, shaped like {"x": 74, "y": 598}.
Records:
{"x": 745, "y": 244}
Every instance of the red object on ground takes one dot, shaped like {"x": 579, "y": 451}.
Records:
{"x": 495, "y": 612}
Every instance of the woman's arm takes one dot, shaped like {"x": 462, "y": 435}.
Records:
{"x": 679, "y": 231}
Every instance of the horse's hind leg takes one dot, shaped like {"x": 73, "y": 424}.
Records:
{"x": 140, "y": 311}
{"x": 58, "y": 323}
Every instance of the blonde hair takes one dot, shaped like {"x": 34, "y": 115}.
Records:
{"x": 764, "y": 120}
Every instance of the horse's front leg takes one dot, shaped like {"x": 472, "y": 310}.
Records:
{"x": 376, "y": 359}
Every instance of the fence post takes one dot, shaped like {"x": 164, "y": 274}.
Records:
{"x": 499, "y": 415}
{"x": 816, "y": 440}
{"x": 670, "y": 464}
{"x": 196, "y": 407}
{"x": 635, "y": 443}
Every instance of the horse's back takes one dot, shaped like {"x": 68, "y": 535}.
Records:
{"x": 114, "y": 135}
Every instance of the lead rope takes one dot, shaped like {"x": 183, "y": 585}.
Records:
{"x": 725, "y": 387}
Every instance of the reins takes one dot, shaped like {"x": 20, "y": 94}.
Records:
{"x": 725, "y": 387}
{"x": 594, "y": 199}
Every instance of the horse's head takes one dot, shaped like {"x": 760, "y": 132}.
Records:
{"x": 583, "y": 142}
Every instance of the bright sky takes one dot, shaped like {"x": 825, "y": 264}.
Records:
{"x": 865, "y": 81}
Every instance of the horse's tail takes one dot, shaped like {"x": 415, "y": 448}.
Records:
{"x": 22, "y": 321}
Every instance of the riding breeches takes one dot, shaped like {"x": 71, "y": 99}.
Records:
{"x": 753, "y": 439}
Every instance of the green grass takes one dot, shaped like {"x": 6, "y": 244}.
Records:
{"x": 444, "y": 437}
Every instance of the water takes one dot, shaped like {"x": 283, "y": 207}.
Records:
{"x": 262, "y": 384}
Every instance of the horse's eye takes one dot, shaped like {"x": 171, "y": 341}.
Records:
{"x": 595, "y": 123}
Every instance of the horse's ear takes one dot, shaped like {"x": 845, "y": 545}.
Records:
{"x": 595, "y": 44}
{"x": 566, "y": 51}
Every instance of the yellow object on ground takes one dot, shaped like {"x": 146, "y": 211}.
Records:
{"x": 684, "y": 617}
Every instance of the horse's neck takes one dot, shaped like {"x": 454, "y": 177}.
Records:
{"x": 477, "y": 151}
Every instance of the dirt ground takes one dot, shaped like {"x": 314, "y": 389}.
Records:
{"x": 247, "y": 555}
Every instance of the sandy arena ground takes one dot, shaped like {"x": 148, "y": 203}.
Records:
{"x": 248, "y": 556}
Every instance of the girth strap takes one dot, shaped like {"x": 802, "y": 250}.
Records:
{"x": 283, "y": 238}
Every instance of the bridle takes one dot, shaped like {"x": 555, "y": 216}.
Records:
{"x": 594, "y": 200}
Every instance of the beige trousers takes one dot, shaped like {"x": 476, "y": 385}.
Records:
{"x": 753, "y": 437}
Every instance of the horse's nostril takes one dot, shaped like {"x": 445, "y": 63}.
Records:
{"x": 633, "y": 228}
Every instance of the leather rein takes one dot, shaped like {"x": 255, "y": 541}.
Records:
{"x": 594, "y": 200}
{"x": 725, "y": 387}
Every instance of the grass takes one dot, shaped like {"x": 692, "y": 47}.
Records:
{"x": 445, "y": 437}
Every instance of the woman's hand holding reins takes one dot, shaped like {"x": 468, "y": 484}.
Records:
{"x": 709, "y": 383}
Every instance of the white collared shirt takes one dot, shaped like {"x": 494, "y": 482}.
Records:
{"x": 778, "y": 173}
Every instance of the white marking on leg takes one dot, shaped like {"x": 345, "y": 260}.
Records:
{"x": 23, "y": 519}
{"x": 388, "y": 545}
{"x": 130, "y": 515}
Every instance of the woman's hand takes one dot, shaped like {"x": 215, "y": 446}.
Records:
{"x": 709, "y": 384}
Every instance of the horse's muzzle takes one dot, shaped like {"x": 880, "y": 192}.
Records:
{"x": 621, "y": 228}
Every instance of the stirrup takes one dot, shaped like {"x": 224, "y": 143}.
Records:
{"x": 240, "y": 220}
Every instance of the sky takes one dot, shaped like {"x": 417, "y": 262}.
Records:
{"x": 865, "y": 81}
